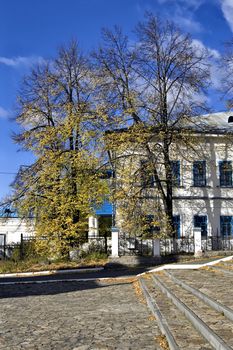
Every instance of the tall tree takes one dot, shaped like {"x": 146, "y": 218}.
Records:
{"x": 57, "y": 117}
{"x": 150, "y": 87}
{"x": 226, "y": 65}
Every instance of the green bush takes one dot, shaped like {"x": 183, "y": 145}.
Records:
{"x": 25, "y": 250}
{"x": 92, "y": 248}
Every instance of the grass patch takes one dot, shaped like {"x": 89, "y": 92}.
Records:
{"x": 40, "y": 264}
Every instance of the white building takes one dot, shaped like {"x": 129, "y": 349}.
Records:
{"x": 203, "y": 194}
{"x": 12, "y": 228}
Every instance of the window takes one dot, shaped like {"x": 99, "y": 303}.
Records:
{"x": 225, "y": 171}
{"x": 199, "y": 173}
{"x": 176, "y": 223}
{"x": 147, "y": 178}
{"x": 226, "y": 226}
{"x": 201, "y": 221}
{"x": 2, "y": 240}
{"x": 175, "y": 167}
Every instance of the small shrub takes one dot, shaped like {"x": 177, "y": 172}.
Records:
{"x": 25, "y": 251}
{"x": 91, "y": 248}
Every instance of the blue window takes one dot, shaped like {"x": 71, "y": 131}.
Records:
{"x": 175, "y": 168}
{"x": 176, "y": 223}
{"x": 225, "y": 171}
{"x": 201, "y": 221}
{"x": 199, "y": 173}
{"x": 226, "y": 226}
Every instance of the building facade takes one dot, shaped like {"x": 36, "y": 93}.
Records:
{"x": 202, "y": 180}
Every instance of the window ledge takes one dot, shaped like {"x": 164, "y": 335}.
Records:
{"x": 225, "y": 186}
{"x": 206, "y": 186}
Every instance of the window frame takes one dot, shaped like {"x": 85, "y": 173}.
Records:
{"x": 225, "y": 179}
{"x": 203, "y": 226}
{"x": 175, "y": 170}
{"x": 199, "y": 179}
{"x": 230, "y": 222}
{"x": 177, "y": 225}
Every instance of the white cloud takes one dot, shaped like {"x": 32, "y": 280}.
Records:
{"x": 21, "y": 61}
{"x": 4, "y": 113}
{"x": 182, "y": 12}
{"x": 185, "y": 21}
{"x": 216, "y": 72}
{"x": 227, "y": 9}
{"x": 199, "y": 45}
{"x": 195, "y": 4}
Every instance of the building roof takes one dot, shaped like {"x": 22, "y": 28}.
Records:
{"x": 213, "y": 123}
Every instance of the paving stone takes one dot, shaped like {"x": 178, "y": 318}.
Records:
{"x": 74, "y": 315}
{"x": 215, "y": 320}
{"x": 185, "y": 335}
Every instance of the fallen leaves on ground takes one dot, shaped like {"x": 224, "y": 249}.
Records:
{"x": 161, "y": 339}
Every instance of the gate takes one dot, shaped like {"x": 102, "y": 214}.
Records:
{"x": 133, "y": 245}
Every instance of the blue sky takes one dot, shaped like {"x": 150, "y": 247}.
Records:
{"x": 32, "y": 30}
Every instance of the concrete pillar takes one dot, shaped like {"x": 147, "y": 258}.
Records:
{"x": 156, "y": 248}
{"x": 115, "y": 242}
{"x": 197, "y": 242}
{"x": 93, "y": 227}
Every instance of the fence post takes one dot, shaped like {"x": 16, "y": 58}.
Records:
{"x": 156, "y": 248}
{"x": 93, "y": 227}
{"x": 115, "y": 242}
{"x": 4, "y": 246}
{"x": 197, "y": 242}
{"x": 21, "y": 247}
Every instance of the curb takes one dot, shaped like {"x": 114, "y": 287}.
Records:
{"x": 186, "y": 266}
{"x": 162, "y": 322}
{"x": 50, "y": 272}
{"x": 63, "y": 280}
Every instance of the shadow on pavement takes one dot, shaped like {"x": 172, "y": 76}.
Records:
{"x": 41, "y": 289}
{"x": 63, "y": 283}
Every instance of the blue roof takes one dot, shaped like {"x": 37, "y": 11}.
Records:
{"x": 105, "y": 209}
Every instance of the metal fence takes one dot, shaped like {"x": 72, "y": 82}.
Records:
{"x": 172, "y": 246}
{"x": 217, "y": 243}
{"x": 98, "y": 244}
{"x": 20, "y": 249}
{"x": 6, "y": 250}
{"x": 133, "y": 245}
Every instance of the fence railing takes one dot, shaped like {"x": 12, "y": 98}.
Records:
{"x": 171, "y": 246}
{"x": 100, "y": 244}
{"x": 217, "y": 243}
{"x": 132, "y": 245}
{"x": 91, "y": 244}
{"x": 6, "y": 250}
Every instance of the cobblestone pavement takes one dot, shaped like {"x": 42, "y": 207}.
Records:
{"x": 74, "y": 315}
{"x": 213, "y": 283}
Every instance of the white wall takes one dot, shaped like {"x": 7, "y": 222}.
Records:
{"x": 211, "y": 200}
{"x": 14, "y": 227}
